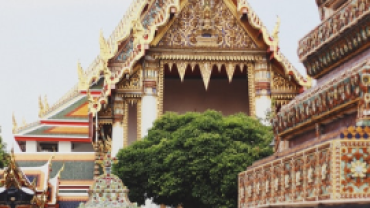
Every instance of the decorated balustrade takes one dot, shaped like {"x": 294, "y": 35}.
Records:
{"x": 333, "y": 172}
{"x": 333, "y": 26}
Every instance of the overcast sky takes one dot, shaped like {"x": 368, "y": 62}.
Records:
{"x": 41, "y": 42}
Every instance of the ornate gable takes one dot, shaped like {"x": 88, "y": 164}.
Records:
{"x": 207, "y": 24}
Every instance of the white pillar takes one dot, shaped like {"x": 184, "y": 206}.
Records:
{"x": 65, "y": 146}
{"x": 31, "y": 146}
{"x": 117, "y": 138}
{"x": 148, "y": 111}
{"x": 263, "y": 105}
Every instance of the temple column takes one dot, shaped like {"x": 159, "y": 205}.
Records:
{"x": 31, "y": 146}
{"x": 117, "y": 126}
{"x": 262, "y": 78}
{"x": 149, "y": 103}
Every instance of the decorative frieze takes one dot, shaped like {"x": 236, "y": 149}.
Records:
{"x": 332, "y": 27}
{"x": 336, "y": 170}
{"x": 321, "y": 61}
{"x": 337, "y": 93}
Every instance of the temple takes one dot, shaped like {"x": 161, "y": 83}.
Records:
{"x": 164, "y": 56}
{"x": 322, "y": 155}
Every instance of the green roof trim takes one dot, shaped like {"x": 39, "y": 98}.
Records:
{"x": 41, "y": 132}
{"x": 98, "y": 86}
{"x": 63, "y": 114}
{"x": 73, "y": 170}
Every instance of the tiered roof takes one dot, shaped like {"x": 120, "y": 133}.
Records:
{"x": 67, "y": 120}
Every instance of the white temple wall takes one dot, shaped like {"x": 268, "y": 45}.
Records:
{"x": 148, "y": 113}
{"x": 117, "y": 138}
{"x": 263, "y": 105}
{"x": 31, "y": 146}
{"x": 64, "y": 146}
{"x": 190, "y": 95}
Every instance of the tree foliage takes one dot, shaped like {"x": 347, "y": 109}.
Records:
{"x": 3, "y": 154}
{"x": 193, "y": 159}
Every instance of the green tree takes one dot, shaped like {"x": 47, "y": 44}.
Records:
{"x": 193, "y": 159}
{"x": 3, "y": 154}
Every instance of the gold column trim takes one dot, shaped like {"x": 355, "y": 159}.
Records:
{"x": 160, "y": 90}
{"x": 138, "y": 128}
{"x": 125, "y": 125}
{"x": 251, "y": 90}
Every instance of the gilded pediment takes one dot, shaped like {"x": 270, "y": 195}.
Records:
{"x": 206, "y": 23}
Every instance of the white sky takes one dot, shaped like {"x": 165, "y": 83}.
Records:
{"x": 41, "y": 42}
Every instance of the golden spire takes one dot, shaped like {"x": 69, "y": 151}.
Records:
{"x": 46, "y": 104}
{"x": 15, "y": 126}
{"x": 41, "y": 108}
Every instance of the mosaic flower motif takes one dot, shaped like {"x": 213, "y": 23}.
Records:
{"x": 358, "y": 169}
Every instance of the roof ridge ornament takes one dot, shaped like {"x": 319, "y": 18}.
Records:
{"x": 82, "y": 85}
{"x": 41, "y": 107}
{"x": 105, "y": 52}
{"x": 275, "y": 35}
{"x": 15, "y": 126}
{"x": 46, "y": 104}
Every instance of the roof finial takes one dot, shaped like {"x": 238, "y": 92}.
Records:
{"x": 275, "y": 34}
{"x": 41, "y": 108}
{"x": 24, "y": 123}
{"x": 46, "y": 104}
{"x": 15, "y": 126}
{"x": 105, "y": 53}
{"x": 81, "y": 77}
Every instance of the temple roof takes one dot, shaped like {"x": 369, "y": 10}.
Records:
{"x": 137, "y": 30}
{"x": 42, "y": 190}
{"x": 78, "y": 167}
{"x": 67, "y": 120}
